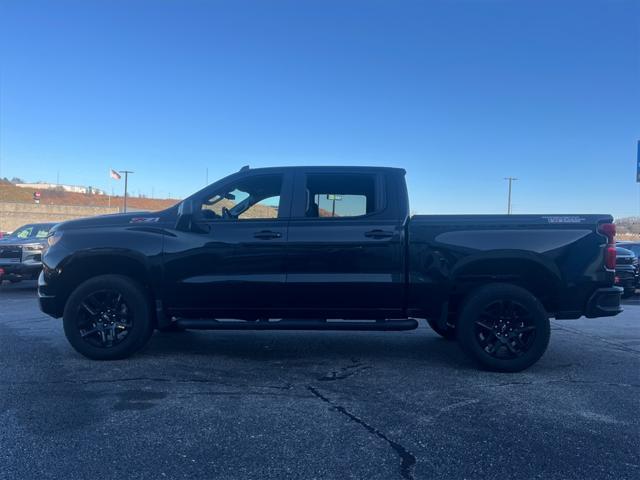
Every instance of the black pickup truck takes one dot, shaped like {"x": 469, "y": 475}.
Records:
{"x": 326, "y": 248}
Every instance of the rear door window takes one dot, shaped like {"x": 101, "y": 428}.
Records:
{"x": 340, "y": 195}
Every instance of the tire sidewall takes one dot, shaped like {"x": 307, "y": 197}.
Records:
{"x": 476, "y": 303}
{"x": 135, "y": 298}
{"x": 447, "y": 333}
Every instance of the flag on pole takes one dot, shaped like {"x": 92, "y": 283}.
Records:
{"x": 115, "y": 175}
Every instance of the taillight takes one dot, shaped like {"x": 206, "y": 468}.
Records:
{"x": 610, "y": 258}
{"x": 609, "y": 230}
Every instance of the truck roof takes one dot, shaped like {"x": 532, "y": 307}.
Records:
{"x": 320, "y": 168}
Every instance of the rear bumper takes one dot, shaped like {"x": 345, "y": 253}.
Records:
{"x": 605, "y": 302}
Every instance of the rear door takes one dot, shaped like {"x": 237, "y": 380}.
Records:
{"x": 345, "y": 246}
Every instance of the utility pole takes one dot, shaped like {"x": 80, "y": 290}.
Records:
{"x": 333, "y": 197}
{"x": 126, "y": 184}
{"x": 511, "y": 179}
{"x": 638, "y": 174}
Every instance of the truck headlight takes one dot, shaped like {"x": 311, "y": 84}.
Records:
{"x": 54, "y": 238}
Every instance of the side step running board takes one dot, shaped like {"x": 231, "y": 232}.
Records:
{"x": 366, "y": 325}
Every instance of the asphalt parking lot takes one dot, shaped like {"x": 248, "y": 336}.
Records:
{"x": 306, "y": 405}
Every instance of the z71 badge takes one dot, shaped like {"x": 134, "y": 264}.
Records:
{"x": 144, "y": 220}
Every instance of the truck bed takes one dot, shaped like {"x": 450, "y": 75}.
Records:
{"x": 564, "y": 252}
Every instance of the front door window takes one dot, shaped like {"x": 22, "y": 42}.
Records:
{"x": 256, "y": 197}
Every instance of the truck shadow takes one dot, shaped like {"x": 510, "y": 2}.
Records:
{"x": 306, "y": 348}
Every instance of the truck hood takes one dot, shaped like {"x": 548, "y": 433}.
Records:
{"x": 119, "y": 220}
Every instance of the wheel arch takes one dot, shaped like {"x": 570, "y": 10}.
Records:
{"x": 83, "y": 265}
{"x": 531, "y": 271}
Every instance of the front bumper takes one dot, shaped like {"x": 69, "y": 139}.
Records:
{"x": 49, "y": 303}
{"x": 605, "y": 302}
{"x": 627, "y": 279}
{"x": 21, "y": 269}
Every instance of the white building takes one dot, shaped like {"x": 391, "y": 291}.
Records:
{"x": 66, "y": 188}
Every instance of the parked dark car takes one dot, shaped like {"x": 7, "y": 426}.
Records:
{"x": 629, "y": 245}
{"x": 21, "y": 251}
{"x": 297, "y": 247}
{"x": 626, "y": 271}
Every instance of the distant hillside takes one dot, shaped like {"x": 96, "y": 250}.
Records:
{"x": 11, "y": 193}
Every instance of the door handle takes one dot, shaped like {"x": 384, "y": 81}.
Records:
{"x": 379, "y": 234}
{"x": 267, "y": 235}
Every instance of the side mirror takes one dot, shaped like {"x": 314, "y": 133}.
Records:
{"x": 184, "y": 221}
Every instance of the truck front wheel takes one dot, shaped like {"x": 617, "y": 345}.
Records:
{"x": 503, "y": 327}
{"x": 108, "y": 318}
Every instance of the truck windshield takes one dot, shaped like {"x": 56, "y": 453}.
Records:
{"x": 31, "y": 231}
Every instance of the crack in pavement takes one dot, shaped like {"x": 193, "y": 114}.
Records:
{"x": 407, "y": 460}
{"x": 345, "y": 372}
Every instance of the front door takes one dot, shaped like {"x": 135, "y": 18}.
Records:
{"x": 232, "y": 261}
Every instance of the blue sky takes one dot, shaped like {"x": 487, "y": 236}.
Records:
{"x": 460, "y": 93}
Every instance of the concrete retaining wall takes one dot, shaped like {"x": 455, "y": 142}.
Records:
{"x": 13, "y": 215}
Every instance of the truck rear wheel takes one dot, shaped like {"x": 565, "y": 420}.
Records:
{"x": 448, "y": 333}
{"x": 108, "y": 318}
{"x": 503, "y": 327}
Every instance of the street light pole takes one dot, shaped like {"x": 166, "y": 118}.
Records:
{"x": 511, "y": 179}
{"x": 126, "y": 184}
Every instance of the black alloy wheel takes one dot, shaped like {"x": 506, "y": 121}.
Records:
{"x": 104, "y": 319}
{"x": 503, "y": 327}
{"x": 108, "y": 317}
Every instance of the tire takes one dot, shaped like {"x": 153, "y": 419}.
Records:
{"x": 497, "y": 319}
{"x": 448, "y": 333}
{"x": 108, "y": 318}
